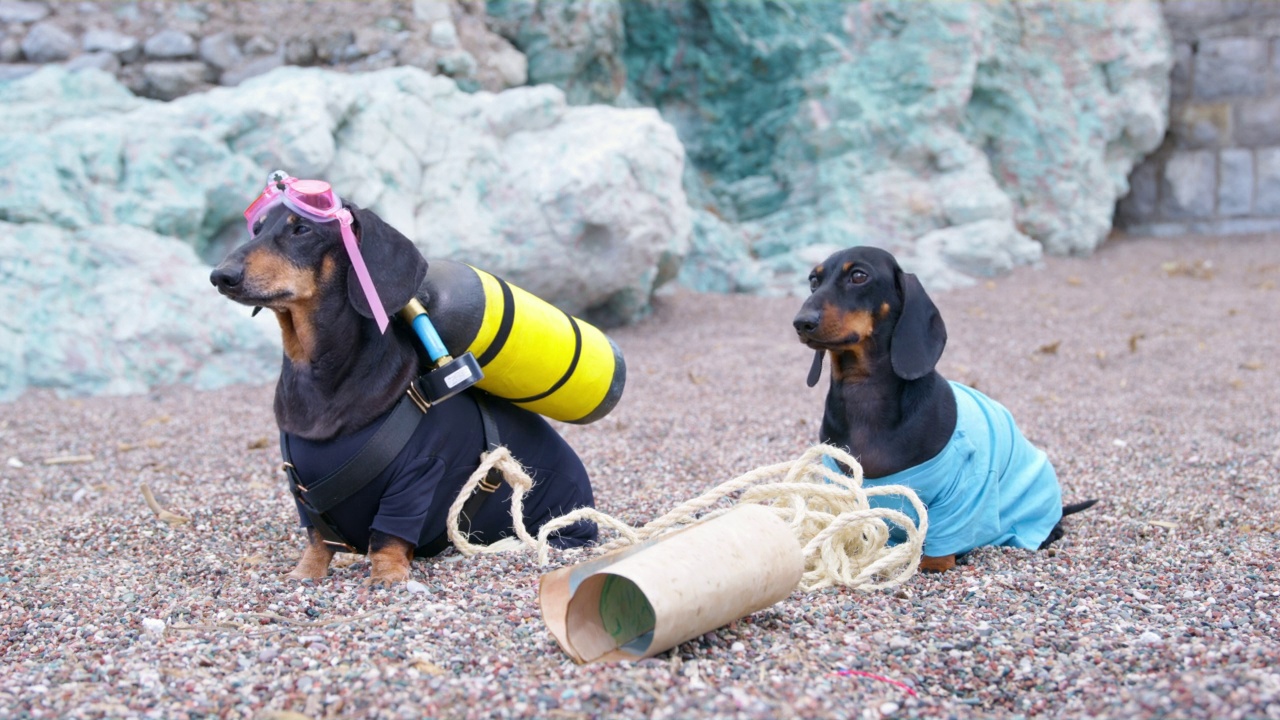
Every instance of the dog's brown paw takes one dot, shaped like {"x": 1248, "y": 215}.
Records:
{"x": 937, "y": 564}
{"x": 389, "y": 557}
{"x": 301, "y": 573}
{"x": 387, "y": 578}
{"x": 314, "y": 563}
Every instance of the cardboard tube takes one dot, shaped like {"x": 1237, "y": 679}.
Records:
{"x": 642, "y": 600}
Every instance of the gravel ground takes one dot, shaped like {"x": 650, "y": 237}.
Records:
{"x": 1149, "y": 372}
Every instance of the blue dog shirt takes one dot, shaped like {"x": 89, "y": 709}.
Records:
{"x": 988, "y": 486}
{"x": 410, "y": 499}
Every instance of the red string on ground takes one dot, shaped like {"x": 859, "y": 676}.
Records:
{"x": 873, "y": 676}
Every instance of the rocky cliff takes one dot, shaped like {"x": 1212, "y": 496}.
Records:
{"x": 730, "y": 144}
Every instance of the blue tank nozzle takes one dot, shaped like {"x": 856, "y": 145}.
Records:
{"x": 451, "y": 375}
{"x": 416, "y": 314}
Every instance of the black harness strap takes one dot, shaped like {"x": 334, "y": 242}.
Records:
{"x": 378, "y": 452}
{"x": 483, "y": 490}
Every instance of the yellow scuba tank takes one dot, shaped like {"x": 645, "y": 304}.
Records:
{"x": 531, "y": 352}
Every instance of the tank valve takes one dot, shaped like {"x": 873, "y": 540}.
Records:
{"x": 451, "y": 375}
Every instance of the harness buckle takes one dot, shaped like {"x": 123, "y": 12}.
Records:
{"x": 418, "y": 398}
{"x": 491, "y": 482}
{"x": 292, "y": 473}
{"x": 339, "y": 546}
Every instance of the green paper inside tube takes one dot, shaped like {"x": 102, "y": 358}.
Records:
{"x": 626, "y": 614}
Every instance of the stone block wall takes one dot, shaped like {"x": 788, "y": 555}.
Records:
{"x": 1218, "y": 169}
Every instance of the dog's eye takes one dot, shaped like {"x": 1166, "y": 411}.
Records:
{"x": 301, "y": 229}
{"x": 857, "y": 277}
{"x": 257, "y": 226}
{"x": 813, "y": 283}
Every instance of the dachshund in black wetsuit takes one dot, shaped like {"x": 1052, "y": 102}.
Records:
{"x": 341, "y": 378}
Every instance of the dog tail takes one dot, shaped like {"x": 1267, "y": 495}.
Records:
{"x": 1074, "y": 508}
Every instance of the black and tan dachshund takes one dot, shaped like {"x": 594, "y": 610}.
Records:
{"x": 982, "y": 482}
{"x": 341, "y": 378}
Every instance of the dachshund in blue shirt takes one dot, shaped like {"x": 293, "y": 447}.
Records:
{"x": 982, "y": 482}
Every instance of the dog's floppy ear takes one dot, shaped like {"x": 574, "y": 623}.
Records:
{"x": 920, "y": 335}
{"x": 396, "y": 266}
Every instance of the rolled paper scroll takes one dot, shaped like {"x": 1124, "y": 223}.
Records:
{"x": 638, "y": 601}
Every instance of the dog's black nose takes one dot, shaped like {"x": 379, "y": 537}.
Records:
{"x": 806, "y": 322}
{"x": 226, "y": 278}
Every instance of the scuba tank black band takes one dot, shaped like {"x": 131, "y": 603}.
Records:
{"x": 504, "y": 325}
{"x": 568, "y": 373}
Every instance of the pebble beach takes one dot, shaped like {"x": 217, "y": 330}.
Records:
{"x": 1149, "y": 372}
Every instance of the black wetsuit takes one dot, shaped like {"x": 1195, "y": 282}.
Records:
{"x": 410, "y": 499}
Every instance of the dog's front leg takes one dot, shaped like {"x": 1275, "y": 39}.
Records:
{"x": 937, "y": 564}
{"x": 390, "y": 557}
{"x": 314, "y": 563}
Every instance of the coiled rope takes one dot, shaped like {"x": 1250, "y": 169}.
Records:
{"x": 844, "y": 540}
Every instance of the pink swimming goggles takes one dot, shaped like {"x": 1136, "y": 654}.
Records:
{"x": 316, "y": 200}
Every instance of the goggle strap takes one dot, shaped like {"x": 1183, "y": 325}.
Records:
{"x": 362, "y": 272}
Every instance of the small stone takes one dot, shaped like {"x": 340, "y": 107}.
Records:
{"x": 428, "y": 11}
{"x": 512, "y": 67}
{"x": 459, "y": 64}
{"x": 738, "y": 647}
{"x": 444, "y": 34}
{"x": 14, "y": 462}
{"x": 190, "y": 13}
{"x": 169, "y": 80}
{"x": 1149, "y": 637}
{"x": 221, "y": 50}
{"x": 170, "y": 45}
{"x": 299, "y": 51}
{"x": 46, "y": 43}
{"x": 371, "y": 41}
{"x": 888, "y": 708}
{"x": 125, "y": 47}
{"x": 154, "y": 626}
{"x": 10, "y": 50}
{"x": 414, "y": 586}
{"x": 337, "y": 47}
{"x": 103, "y": 61}
{"x": 260, "y": 66}
{"x": 17, "y": 11}
{"x": 259, "y": 45}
